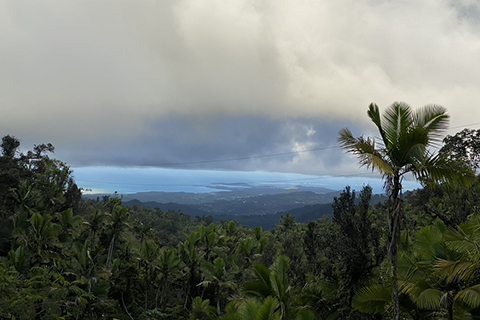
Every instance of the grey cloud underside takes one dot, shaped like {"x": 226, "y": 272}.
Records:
{"x": 186, "y": 143}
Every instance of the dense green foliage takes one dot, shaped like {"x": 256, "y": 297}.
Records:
{"x": 62, "y": 257}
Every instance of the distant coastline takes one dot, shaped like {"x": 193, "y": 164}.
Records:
{"x": 107, "y": 180}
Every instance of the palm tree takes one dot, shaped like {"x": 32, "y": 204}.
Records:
{"x": 95, "y": 222}
{"x": 406, "y": 136}
{"x": 118, "y": 222}
{"x": 202, "y": 310}
{"x": 252, "y": 309}
{"x": 191, "y": 257}
{"x": 272, "y": 288}
{"x": 272, "y": 283}
{"x": 149, "y": 264}
{"x": 170, "y": 266}
{"x": 440, "y": 271}
{"x": 220, "y": 278}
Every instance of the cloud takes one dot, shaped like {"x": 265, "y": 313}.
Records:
{"x": 145, "y": 82}
{"x": 221, "y": 143}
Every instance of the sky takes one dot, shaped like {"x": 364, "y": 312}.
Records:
{"x": 226, "y": 86}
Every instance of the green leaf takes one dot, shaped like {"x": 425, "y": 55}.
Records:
{"x": 469, "y": 296}
{"x": 372, "y": 299}
{"x": 267, "y": 309}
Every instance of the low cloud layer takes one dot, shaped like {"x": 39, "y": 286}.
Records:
{"x": 137, "y": 83}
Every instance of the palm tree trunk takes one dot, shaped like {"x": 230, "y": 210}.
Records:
{"x": 395, "y": 233}
{"x": 147, "y": 286}
{"x": 396, "y": 298}
{"x": 161, "y": 292}
{"x": 187, "y": 293}
{"x": 218, "y": 300}
{"x": 125, "y": 307}
{"x": 450, "y": 299}
{"x": 110, "y": 252}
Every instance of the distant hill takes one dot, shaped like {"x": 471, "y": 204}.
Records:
{"x": 267, "y": 204}
{"x": 192, "y": 210}
{"x": 241, "y": 206}
{"x": 250, "y": 206}
{"x": 264, "y": 210}
{"x": 220, "y": 191}
{"x": 303, "y": 214}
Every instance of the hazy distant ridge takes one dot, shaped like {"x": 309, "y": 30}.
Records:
{"x": 240, "y": 206}
{"x": 249, "y": 205}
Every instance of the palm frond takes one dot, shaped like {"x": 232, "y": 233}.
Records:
{"x": 280, "y": 267}
{"x": 469, "y": 296}
{"x": 305, "y": 314}
{"x": 429, "y": 298}
{"x": 438, "y": 169}
{"x": 365, "y": 151}
{"x": 398, "y": 120}
{"x": 456, "y": 271}
{"x": 279, "y": 288}
{"x": 372, "y": 299}
{"x": 410, "y": 149}
{"x": 434, "y": 118}
{"x": 410, "y": 274}
{"x": 267, "y": 309}
{"x": 465, "y": 239}
{"x": 261, "y": 286}
{"x": 430, "y": 243}
{"x": 374, "y": 115}
{"x": 248, "y": 310}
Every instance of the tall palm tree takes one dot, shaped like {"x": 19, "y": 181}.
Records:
{"x": 403, "y": 148}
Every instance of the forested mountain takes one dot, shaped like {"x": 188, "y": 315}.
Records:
{"x": 64, "y": 257}
{"x": 303, "y": 214}
{"x": 224, "y": 192}
{"x": 259, "y": 210}
{"x": 247, "y": 207}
